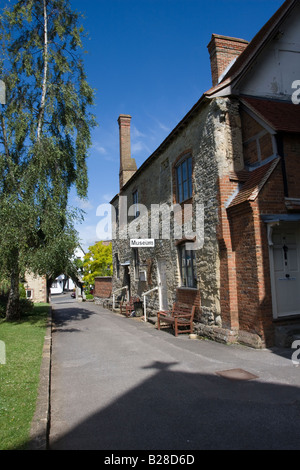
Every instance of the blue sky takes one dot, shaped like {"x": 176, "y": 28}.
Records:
{"x": 149, "y": 59}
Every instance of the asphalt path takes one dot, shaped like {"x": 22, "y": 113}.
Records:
{"x": 120, "y": 384}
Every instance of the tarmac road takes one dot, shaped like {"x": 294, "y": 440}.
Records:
{"x": 119, "y": 384}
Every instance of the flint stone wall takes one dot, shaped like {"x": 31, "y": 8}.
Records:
{"x": 213, "y": 137}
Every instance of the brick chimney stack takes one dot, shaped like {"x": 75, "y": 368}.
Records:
{"x": 223, "y": 50}
{"x": 127, "y": 164}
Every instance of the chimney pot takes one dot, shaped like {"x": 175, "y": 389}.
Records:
{"x": 223, "y": 50}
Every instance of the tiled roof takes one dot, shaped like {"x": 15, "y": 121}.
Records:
{"x": 254, "y": 47}
{"x": 280, "y": 115}
{"x": 255, "y": 182}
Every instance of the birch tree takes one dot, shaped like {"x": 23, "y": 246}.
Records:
{"x": 45, "y": 129}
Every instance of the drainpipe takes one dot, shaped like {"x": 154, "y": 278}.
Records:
{"x": 280, "y": 151}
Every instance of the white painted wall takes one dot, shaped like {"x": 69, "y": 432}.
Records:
{"x": 278, "y": 66}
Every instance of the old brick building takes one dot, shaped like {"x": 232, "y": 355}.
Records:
{"x": 234, "y": 161}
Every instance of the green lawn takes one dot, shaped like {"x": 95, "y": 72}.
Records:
{"x": 19, "y": 375}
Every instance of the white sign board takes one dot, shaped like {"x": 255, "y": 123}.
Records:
{"x": 142, "y": 243}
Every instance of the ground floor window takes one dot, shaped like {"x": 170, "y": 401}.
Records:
{"x": 187, "y": 261}
{"x": 29, "y": 294}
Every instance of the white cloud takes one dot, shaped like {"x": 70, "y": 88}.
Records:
{"x": 107, "y": 197}
{"x": 84, "y": 204}
{"x": 135, "y": 133}
{"x": 163, "y": 127}
{"x": 99, "y": 148}
{"x": 138, "y": 147}
{"x": 87, "y": 235}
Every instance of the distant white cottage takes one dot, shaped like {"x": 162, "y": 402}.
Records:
{"x": 62, "y": 283}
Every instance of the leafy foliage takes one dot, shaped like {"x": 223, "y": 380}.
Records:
{"x": 44, "y": 135}
{"x": 97, "y": 262}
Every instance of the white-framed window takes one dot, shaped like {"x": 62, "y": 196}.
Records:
{"x": 29, "y": 293}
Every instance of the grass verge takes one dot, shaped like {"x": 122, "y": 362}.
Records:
{"x": 22, "y": 342}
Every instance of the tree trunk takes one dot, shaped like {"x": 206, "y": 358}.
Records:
{"x": 44, "y": 87}
{"x": 49, "y": 284}
{"x": 13, "y": 305}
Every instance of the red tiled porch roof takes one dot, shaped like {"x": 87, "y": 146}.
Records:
{"x": 281, "y": 116}
{"x": 255, "y": 182}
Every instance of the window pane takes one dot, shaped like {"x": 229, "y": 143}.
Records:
{"x": 182, "y": 265}
{"x": 190, "y": 177}
{"x": 184, "y": 171}
{"x": 194, "y": 270}
{"x": 180, "y": 193}
{"x": 135, "y": 197}
{"x": 184, "y": 180}
{"x": 179, "y": 186}
{"x": 189, "y": 269}
{"x": 179, "y": 174}
{"x": 185, "y": 190}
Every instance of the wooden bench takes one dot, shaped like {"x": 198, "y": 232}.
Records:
{"x": 128, "y": 307}
{"x": 181, "y": 316}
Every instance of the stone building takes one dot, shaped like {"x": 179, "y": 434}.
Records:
{"x": 219, "y": 200}
{"x": 36, "y": 288}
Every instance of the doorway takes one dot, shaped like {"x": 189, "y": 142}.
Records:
{"x": 162, "y": 285}
{"x": 285, "y": 270}
{"x": 126, "y": 279}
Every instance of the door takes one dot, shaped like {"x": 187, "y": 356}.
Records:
{"x": 126, "y": 281}
{"x": 286, "y": 270}
{"x": 162, "y": 285}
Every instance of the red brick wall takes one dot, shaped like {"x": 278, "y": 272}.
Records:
{"x": 222, "y": 51}
{"x": 250, "y": 254}
{"x": 245, "y": 290}
{"x": 103, "y": 287}
{"x": 247, "y": 251}
{"x": 292, "y": 159}
{"x": 228, "y": 287}
{"x": 250, "y": 129}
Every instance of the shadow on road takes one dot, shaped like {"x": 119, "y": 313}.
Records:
{"x": 186, "y": 411}
{"x": 67, "y": 315}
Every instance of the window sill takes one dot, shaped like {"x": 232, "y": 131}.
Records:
{"x": 187, "y": 288}
{"x": 186, "y": 201}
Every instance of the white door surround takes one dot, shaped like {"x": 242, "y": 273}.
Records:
{"x": 284, "y": 249}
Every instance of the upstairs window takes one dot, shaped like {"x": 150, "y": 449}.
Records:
{"x": 135, "y": 198}
{"x": 184, "y": 184}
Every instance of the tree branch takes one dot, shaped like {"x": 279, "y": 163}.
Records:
{"x": 4, "y": 137}
{"x": 44, "y": 87}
